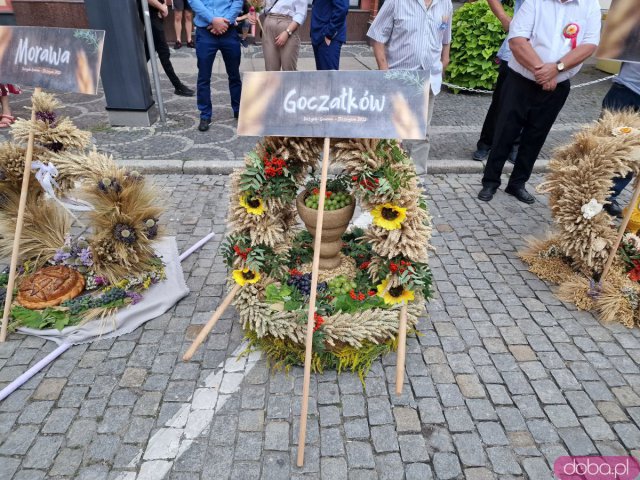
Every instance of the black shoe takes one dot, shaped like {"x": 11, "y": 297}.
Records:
{"x": 244, "y": 42}
{"x": 236, "y": 114}
{"x": 486, "y": 194}
{"x": 521, "y": 194}
{"x": 204, "y": 124}
{"x": 184, "y": 91}
{"x": 513, "y": 155}
{"x": 481, "y": 154}
{"x": 177, "y": 46}
{"x": 613, "y": 209}
{"x": 191, "y": 44}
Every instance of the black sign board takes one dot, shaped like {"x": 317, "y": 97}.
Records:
{"x": 336, "y": 104}
{"x": 63, "y": 59}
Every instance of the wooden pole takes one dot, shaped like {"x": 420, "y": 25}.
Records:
{"x": 402, "y": 349}
{"x": 26, "y": 177}
{"x": 621, "y": 230}
{"x": 211, "y": 323}
{"x": 312, "y": 305}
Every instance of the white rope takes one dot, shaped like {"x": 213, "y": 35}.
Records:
{"x": 477, "y": 90}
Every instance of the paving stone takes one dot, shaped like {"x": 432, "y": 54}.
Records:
{"x": 384, "y": 439}
{"x": 81, "y": 432}
{"x": 470, "y": 386}
{"x": 581, "y": 403}
{"x": 492, "y": 433}
{"x": 577, "y": 441}
{"x": 35, "y": 412}
{"x": 49, "y": 389}
{"x": 277, "y": 436}
{"x": 430, "y": 411}
{"x": 478, "y": 474}
{"x": 413, "y": 448}
{"x": 43, "y": 452}
{"x": 537, "y": 468}
{"x": 333, "y": 468}
{"x": 353, "y": 406}
{"x": 470, "y": 449}
{"x": 251, "y": 421}
{"x": 481, "y": 410}
{"x": 597, "y": 428}
{"x": 379, "y": 411}
{"x": 504, "y": 461}
{"x": 438, "y": 439}
{"x": 406, "y": 420}
{"x": 446, "y": 465}
{"x": 542, "y": 431}
{"x": 356, "y": 429}
{"x": 459, "y": 420}
{"x": 249, "y": 446}
{"x": 59, "y": 420}
{"x": 66, "y": 463}
{"x": 331, "y": 443}
{"x": 612, "y": 412}
{"x": 19, "y": 441}
{"x": 360, "y": 455}
{"x": 629, "y": 434}
{"x": 139, "y": 430}
{"x": 548, "y": 392}
{"x": 276, "y": 466}
{"x": 418, "y": 471}
{"x": 389, "y": 466}
{"x": 561, "y": 416}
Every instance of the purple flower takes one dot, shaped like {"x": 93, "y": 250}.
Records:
{"x": 135, "y": 297}
{"x": 99, "y": 281}
{"x": 61, "y": 256}
{"x": 85, "y": 257}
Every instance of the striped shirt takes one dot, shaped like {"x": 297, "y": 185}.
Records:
{"x": 413, "y": 35}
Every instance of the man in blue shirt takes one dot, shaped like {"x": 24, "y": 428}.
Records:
{"x": 624, "y": 94}
{"x": 504, "y": 55}
{"x": 214, "y": 20}
{"x": 328, "y": 32}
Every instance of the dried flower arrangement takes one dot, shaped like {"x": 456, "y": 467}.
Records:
{"x": 359, "y": 301}
{"x": 116, "y": 260}
{"x": 579, "y": 183}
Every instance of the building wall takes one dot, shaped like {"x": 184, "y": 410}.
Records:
{"x": 71, "y": 14}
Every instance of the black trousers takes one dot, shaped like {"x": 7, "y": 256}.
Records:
{"x": 523, "y": 107}
{"x": 489, "y": 125}
{"x": 164, "y": 54}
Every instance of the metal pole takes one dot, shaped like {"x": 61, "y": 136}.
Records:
{"x": 152, "y": 58}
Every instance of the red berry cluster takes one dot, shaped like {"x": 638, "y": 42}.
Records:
{"x": 273, "y": 166}
{"x": 360, "y": 296}
{"x": 241, "y": 253}
{"x": 295, "y": 272}
{"x": 318, "y": 321}
{"x": 366, "y": 183}
{"x": 365, "y": 265}
{"x": 399, "y": 268}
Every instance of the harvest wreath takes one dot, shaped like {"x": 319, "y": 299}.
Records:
{"x": 574, "y": 256}
{"x": 365, "y": 275}
{"x": 64, "y": 278}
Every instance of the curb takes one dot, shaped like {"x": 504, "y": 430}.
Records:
{"x": 204, "y": 167}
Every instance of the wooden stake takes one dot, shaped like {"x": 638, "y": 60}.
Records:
{"x": 621, "y": 230}
{"x": 211, "y": 323}
{"x": 402, "y": 349}
{"x": 26, "y": 176}
{"x": 312, "y": 305}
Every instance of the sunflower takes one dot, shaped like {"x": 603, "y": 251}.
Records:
{"x": 252, "y": 205}
{"x": 389, "y": 216}
{"x": 245, "y": 276}
{"x": 394, "y": 295}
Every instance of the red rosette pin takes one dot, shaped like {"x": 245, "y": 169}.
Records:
{"x": 571, "y": 32}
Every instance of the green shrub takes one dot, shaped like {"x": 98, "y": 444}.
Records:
{"x": 477, "y": 36}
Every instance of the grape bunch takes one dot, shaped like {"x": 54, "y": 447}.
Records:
{"x": 341, "y": 285}
{"x": 334, "y": 200}
{"x": 303, "y": 283}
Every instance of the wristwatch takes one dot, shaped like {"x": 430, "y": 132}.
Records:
{"x": 560, "y": 66}
{"x": 289, "y": 32}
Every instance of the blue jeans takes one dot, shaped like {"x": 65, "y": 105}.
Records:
{"x": 327, "y": 56}
{"x": 620, "y": 98}
{"x": 207, "y": 46}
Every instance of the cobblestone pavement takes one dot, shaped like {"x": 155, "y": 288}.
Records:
{"x": 456, "y": 127}
{"x": 503, "y": 379}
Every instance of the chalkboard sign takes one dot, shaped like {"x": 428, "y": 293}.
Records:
{"x": 63, "y": 59}
{"x": 336, "y": 104}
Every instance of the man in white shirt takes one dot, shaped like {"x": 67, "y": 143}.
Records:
{"x": 414, "y": 35}
{"x": 549, "y": 40}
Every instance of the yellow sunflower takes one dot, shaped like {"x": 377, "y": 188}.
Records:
{"x": 389, "y": 216}
{"x": 252, "y": 205}
{"x": 394, "y": 295}
{"x": 246, "y": 277}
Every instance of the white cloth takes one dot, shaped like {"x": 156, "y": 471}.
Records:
{"x": 413, "y": 35}
{"x": 296, "y": 9}
{"x": 157, "y": 300}
{"x": 543, "y": 22}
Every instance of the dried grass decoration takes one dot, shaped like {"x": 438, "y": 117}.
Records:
{"x": 358, "y": 302}
{"x": 115, "y": 255}
{"x": 579, "y": 184}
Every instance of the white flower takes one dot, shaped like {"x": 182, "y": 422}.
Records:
{"x": 598, "y": 244}
{"x": 591, "y": 209}
{"x": 620, "y": 131}
{"x": 632, "y": 239}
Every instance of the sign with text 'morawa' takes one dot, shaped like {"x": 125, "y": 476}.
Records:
{"x": 336, "y": 104}
{"x": 62, "y": 59}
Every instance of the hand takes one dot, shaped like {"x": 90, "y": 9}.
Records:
{"x": 506, "y": 23}
{"x": 219, "y": 26}
{"x": 327, "y": 40}
{"x": 164, "y": 10}
{"x": 282, "y": 39}
{"x": 252, "y": 19}
{"x": 545, "y": 73}
{"x": 551, "y": 85}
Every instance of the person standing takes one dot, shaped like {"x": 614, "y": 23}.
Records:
{"x": 328, "y": 32}
{"x": 158, "y": 11}
{"x": 214, "y": 19}
{"x": 624, "y": 94}
{"x": 180, "y": 6}
{"x": 6, "y": 89}
{"x": 401, "y": 42}
{"x": 504, "y": 55}
{"x": 549, "y": 39}
{"x": 280, "y": 39}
